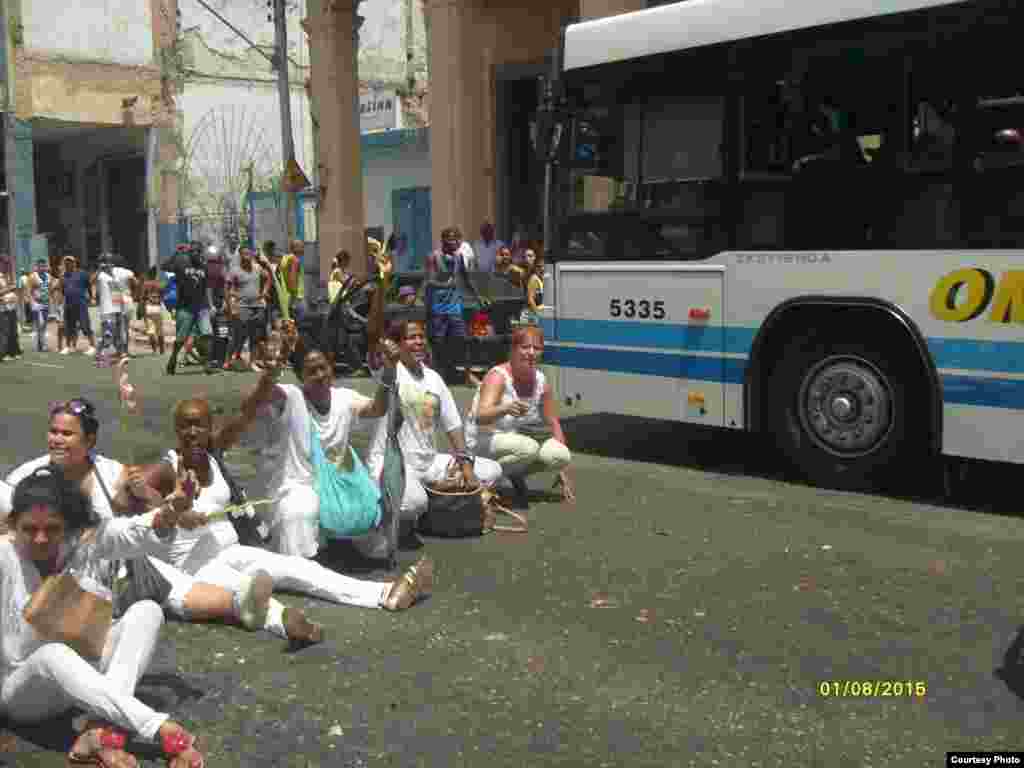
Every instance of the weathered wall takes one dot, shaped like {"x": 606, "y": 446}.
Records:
{"x": 85, "y": 92}
{"x": 117, "y": 31}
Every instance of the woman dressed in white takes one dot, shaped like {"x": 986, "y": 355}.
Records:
{"x": 54, "y": 532}
{"x": 212, "y": 553}
{"x": 71, "y": 443}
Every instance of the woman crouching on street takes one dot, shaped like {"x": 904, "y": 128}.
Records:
{"x": 426, "y": 403}
{"x": 71, "y": 443}
{"x": 514, "y": 419}
{"x": 53, "y": 530}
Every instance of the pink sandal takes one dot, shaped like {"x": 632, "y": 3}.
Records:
{"x": 180, "y": 742}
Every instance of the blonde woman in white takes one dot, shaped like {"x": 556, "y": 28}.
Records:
{"x": 514, "y": 402}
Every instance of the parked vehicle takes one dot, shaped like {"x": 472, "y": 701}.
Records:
{"x": 342, "y": 325}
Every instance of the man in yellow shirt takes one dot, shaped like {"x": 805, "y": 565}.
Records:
{"x": 291, "y": 273}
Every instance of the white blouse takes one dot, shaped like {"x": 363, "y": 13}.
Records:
{"x": 191, "y": 550}
{"x": 476, "y": 432}
{"x": 118, "y": 538}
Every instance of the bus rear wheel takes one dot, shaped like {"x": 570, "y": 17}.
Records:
{"x": 841, "y": 414}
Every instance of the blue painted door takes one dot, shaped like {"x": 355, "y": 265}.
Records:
{"x": 410, "y": 216}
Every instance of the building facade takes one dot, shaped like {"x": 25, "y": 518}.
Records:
{"x": 484, "y": 58}
{"x": 93, "y": 90}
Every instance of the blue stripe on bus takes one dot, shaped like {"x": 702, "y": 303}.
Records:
{"x": 967, "y": 354}
{"x": 956, "y": 390}
{"x": 973, "y": 390}
{"x": 676, "y": 366}
{"x": 626, "y": 333}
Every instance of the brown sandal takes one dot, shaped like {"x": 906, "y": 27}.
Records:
{"x": 108, "y": 737}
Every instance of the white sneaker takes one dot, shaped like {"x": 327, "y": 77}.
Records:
{"x": 254, "y": 594}
{"x": 66, "y": 351}
{"x": 90, "y": 351}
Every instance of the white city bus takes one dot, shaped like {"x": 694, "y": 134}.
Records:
{"x": 801, "y": 218}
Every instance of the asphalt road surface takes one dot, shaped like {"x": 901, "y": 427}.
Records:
{"x": 692, "y": 609}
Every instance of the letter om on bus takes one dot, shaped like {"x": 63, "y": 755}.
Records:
{"x": 980, "y": 292}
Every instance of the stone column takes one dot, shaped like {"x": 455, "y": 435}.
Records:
{"x": 167, "y": 215}
{"x": 462, "y": 127}
{"x": 336, "y": 90}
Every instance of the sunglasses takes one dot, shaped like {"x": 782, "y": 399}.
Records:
{"x": 75, "y": 407}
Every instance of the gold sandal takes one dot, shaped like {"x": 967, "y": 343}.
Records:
{"x": 418, "y": 580}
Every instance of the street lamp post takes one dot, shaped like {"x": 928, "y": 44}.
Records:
{"x": 551, "y": 117}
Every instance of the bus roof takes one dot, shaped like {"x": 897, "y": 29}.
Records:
{"x": 695, "y": 23}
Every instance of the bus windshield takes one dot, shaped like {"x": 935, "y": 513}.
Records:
{"x": 875, "y": 133}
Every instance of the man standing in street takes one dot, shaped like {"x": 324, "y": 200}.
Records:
{"x": 10, "y": 347}
{"x": 447, "y": 279}
{"x": 76, "y": 306}
{"x": 39, "y": 295}
{"x": 486, "y": 248}
{"x": 26, "y": 304}
{"x": 192, "y": 316}
{"x": 248, "y": 284}
{"x": 110, "y": 291}
{"x": 294, "y": 279}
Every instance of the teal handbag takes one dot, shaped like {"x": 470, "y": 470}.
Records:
{"x": 349, "y": 500}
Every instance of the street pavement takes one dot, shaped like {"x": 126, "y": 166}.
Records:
{"x": 686, "y": 611}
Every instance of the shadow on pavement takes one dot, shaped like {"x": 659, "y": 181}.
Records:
{"x": 634, "y": 438}
{"x": 734, "y": 452}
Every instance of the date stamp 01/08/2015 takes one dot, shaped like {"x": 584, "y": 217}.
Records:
{"x": 864, "y": 689}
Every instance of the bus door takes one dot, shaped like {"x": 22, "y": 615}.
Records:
{"x": 643, "y": 339}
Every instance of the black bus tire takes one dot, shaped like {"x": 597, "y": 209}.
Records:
{"x": 840, "y": 415}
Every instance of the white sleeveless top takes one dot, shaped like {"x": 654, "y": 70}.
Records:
{"x": 191, "y": 550}
{"x": 476, "y": 432}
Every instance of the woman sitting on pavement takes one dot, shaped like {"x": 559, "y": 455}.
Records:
{"x": 513, "y": 401}
{"x": 53, "y": 529}
{"x": 213, "y": 554}
{"x": 71, "y": 441}
{"x": 332, "y": 411}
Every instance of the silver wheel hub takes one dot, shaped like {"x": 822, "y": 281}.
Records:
{"x": 845, "y": 406}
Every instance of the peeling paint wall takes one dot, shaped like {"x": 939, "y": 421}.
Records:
{"x": 87, "y": 92}
{"x": 117, "y": 31}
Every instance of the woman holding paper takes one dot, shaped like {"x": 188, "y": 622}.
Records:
{"x": 55, "y": 535}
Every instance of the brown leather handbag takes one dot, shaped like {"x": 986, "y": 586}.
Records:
{"x": 453, "y": 510}
{"x": 63, "y": 611}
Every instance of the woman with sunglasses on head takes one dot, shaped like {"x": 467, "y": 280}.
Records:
{"x": 55, "y": 532}
{"x": 71, "y": 443}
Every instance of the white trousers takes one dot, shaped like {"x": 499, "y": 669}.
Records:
{"x": 414, "y": 502}
{"x": 293, "y": 573}
{"x": 54, "y": 678}
{"x": 296, "y": 522}
{"x": 520, "y": 455}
